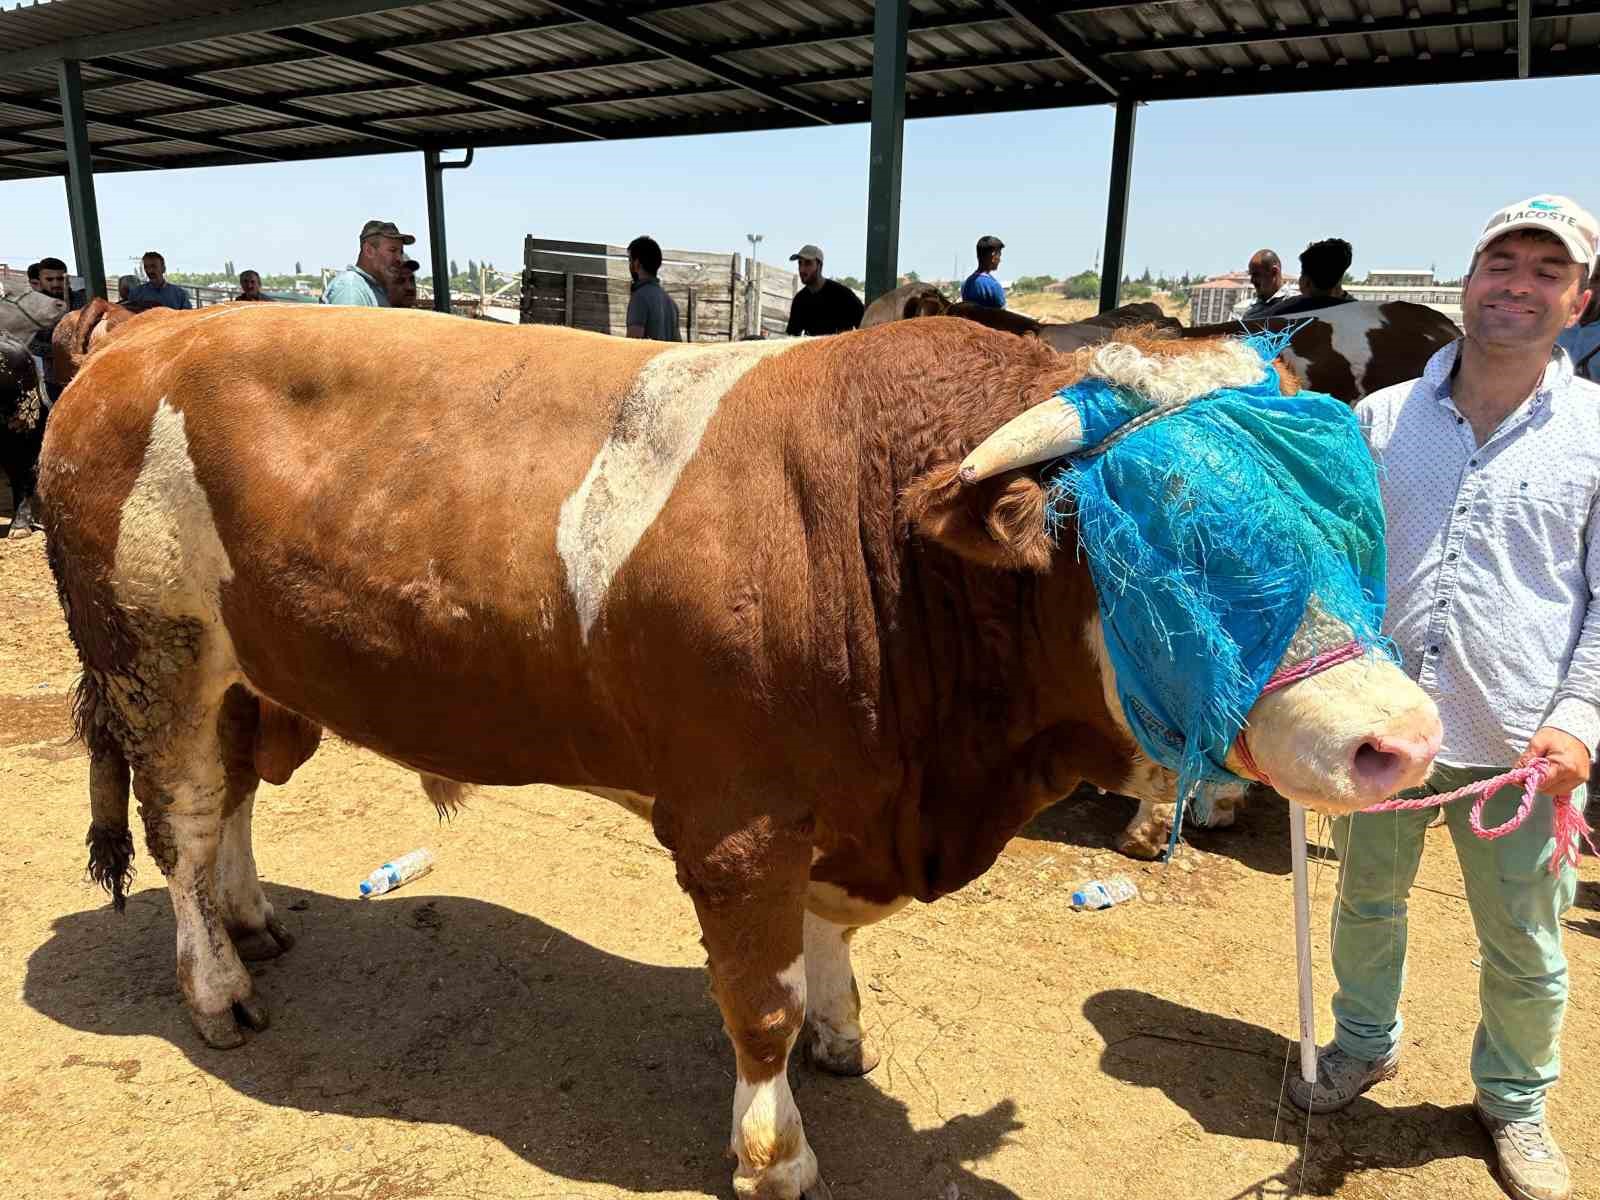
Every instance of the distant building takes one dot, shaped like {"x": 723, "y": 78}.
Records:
{"x": 1212, "y": 302}
{"x": 1415, "y": 287}
{"x": 1399, "y": 278}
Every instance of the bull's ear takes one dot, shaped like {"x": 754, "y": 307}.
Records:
{"x": 998, "y": 522}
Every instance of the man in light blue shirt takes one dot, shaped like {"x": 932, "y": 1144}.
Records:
{"x": 366, "y": 282}
{"x": 156, "y": 292}
{"x": 981, "y": 287}
{"x": 1491, "y": 493}
{"x": 1582, "y": 341}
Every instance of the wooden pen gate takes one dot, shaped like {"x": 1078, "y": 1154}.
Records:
{"x": 586, "y": 285}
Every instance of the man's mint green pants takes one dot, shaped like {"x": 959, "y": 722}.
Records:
{"x": 1516, "y": 906}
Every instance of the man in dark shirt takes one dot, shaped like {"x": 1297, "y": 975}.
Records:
{"x": 652, "y": 313}
{"x": 1322, "y": 270}
{"x": 821, "y": 305}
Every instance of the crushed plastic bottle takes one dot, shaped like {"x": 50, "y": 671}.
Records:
{"x": 392, "y": 874}
{"x": 1103, "y": 893}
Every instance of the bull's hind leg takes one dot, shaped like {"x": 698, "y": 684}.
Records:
{"x": 169, "y": 706}
{"x": 748, "y": 890}
{"x": 247, "y": 914}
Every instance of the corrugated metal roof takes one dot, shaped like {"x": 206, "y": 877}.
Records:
{"x": 194, "y": 82}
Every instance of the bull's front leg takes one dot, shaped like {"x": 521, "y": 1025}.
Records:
{"x": 748, "y": 889}
{"x": 1146, "y": 835}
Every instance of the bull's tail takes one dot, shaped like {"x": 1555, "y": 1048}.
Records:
{"x": 109, "y": 841}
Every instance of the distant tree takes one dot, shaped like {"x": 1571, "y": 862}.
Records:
{"x": 913, "y": 277}
{"x": 1084, "y": 286}
{"x": 298, "y": 269}
{"x": 1033, "y": 283}
{"x": 1145, "y": 278}
{"x": 854, "y": 284}
{"x": 472, "y": 269}
{"x": 1134, "y": 290}
{"x": 227, "y": 269}
{"x": 454, "y": 269}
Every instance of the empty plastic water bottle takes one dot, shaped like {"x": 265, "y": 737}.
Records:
{"x": 392, "y": 874}
{"x": 1103, "y": 893}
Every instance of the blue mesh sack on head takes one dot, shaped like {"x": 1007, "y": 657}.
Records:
{"x": 1208, "y": 529}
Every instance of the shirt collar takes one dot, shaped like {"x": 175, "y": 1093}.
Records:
{"x": 1439, "y": 375}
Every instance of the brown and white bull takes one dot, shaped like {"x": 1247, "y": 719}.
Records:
{"x": 793, "y": 600}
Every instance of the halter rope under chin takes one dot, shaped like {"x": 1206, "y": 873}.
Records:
{"x": 1282, "y": 678}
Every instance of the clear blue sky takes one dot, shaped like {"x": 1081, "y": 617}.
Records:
{"x": 1407, "y": 175}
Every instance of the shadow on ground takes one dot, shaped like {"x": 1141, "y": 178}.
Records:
{"x": 456, "y": 1011}
{"x": 1227, "y": 1075}
{"x": 1091, "y": 820}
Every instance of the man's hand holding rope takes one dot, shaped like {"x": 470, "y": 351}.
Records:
{"x": 1568, "y": 757}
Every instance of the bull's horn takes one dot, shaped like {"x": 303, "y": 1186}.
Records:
{"x": 1045, "y": 431}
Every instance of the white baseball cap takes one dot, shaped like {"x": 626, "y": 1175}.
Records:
{"x": 1560, "y": 215}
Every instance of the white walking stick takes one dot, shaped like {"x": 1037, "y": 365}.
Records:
{"x": 1302, "y": 942}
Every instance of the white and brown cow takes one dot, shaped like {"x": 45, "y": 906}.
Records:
{"x": 746, "y": 587}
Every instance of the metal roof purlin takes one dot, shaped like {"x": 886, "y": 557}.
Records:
{"x": 181, "y": 82}
{"x": 666, "y": 44}
{"x": 137, "y": 125}
{"x": 106, "y": 152}
{"x": 417, "y": 75}
{"x": 1045, "y": 24}
{"x": 262, "y": 18}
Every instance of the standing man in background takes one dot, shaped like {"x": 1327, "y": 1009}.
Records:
{"x": 1266, "y": 276}
{"x": 403, "y": 287}
{"x": 651, "y": 312}
{"x": 156, "y": 291}
{"x": 981, "y": 287}
{"x": 1582, "y": 341}
{"x": 821, "y": 306}
{"x": 365, "y": 283}
{"x": 250, "y": 287}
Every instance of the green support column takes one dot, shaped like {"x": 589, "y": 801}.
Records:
{"x": 80, "y": 181}
{"x": 888, "y": 141}
{"x": 1117, "y": 204}
{"x": 434, "y": 171}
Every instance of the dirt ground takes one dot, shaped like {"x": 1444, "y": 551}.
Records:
{"x": 531, "y": 1020}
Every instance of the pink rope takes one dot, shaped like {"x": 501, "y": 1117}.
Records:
{"x": 1569, "y": 823}
{"x": 1315, "y": 665}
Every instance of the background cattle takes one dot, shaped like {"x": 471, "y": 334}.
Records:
{"x": 795, "y": 600}
{"x": 21, "y": 429}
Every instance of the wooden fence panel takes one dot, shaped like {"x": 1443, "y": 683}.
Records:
{"x": 586, "y": 285}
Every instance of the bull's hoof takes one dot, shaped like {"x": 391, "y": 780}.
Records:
{"x": 252, "y": 1011}
{"x": 837, "y": 1057}
{"x": 219, "y": 1030}
{"x": 1147, "y": 843}
{"x": 22, "y": 519}
{"x": 258, "y": 945}
{"x": 222, "y": 1031}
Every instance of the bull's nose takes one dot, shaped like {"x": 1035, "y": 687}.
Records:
{"x": 1398, "y": 756}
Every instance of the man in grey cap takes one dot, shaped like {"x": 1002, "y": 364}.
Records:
{"x": 366, "y": 283}
{"x": 821, "y": 305}
{"x": 1491, "y": 490}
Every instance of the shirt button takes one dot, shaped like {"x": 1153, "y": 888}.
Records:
{"x": 1451, "y": 557}
{"x": 1444, "y": 604}
{"x": 1433, "y": 649}
{"x": 1461, "y": 511}
{"x": 1461, "y": 420}
{"x": 1473, "y": 463}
